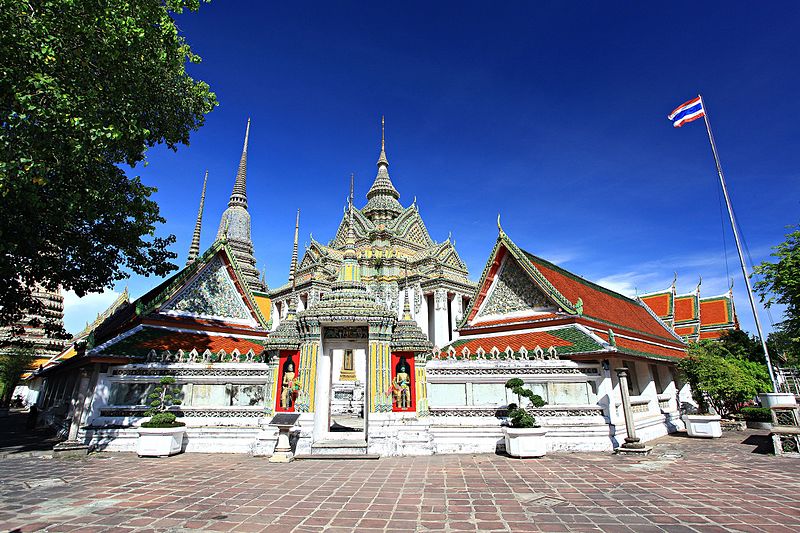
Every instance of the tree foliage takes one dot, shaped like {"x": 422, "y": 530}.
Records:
{"x": 779, "y": 282}
{"x": 84, "y": 88}
{"x": 520, "y": 417}
{"x": 163, "y": 396}
{"x": 13, "y": 363}
{"x": 722, "y": 379}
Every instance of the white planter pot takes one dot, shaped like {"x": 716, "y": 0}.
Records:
{"x": 771, "y": 399}
{"x": 160, "y": 442}
{"x": 525, "y": 442}
{"x": 705, "y": 426}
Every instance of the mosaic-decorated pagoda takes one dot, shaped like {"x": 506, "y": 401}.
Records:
{"x": 387, "y": 237}
{"x": 692, "y": 316}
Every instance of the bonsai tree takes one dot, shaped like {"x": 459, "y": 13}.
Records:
{"x": 160, "y": 399}
{"x": 720, "y": 379}
{"x": 520, "y": 417}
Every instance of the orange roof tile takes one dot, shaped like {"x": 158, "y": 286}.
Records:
{"x": 714, "y": 312}
{"x": 714, "y": 334}
{"x": 685, "y": 308}
{"x": 601, "y": 303}
{"x": 659, "y": 303}
{"x": 685, "y": 330}
{"x": 529, "y": 340}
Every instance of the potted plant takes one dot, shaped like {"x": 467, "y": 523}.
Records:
{"x": 524, "y": 438}
{"x": 162, "y": 435}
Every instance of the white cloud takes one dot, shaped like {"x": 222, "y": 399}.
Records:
{"x": 627, "y": 283}
{"x": 79, "y": 311}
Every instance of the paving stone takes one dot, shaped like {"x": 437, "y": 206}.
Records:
{"x": 687, "y": 486}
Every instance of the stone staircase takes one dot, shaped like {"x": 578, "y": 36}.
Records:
{"x": 346, "y": 447}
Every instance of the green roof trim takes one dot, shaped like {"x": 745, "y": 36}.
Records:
{"x": 162, "y": 292}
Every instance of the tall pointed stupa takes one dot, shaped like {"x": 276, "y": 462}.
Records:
{"x": 235, "y": 224}
{"x": 382, "y": 197}
{"x": 194, "y": 249}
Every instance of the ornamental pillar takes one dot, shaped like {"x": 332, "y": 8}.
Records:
{"x": 457, "y": 313}
{"x": 420, "y": 363}
{"x": 380, "y": 361}
{"x": 632, "y": 444}
{"x": 307, "y": 368}
{"x": 441, "y": 326}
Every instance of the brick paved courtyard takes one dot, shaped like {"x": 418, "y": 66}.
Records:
{"x": 686, "y": 485}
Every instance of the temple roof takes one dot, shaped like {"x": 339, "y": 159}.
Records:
{"x": 142, "y": 342}
{"x": 524, "y": 300}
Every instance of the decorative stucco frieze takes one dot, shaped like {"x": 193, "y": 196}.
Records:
{"x": 211, "y": 294}
{"x": 513, "y": 291}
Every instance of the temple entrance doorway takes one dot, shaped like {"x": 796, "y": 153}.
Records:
{"x": 342, "y": 387}
{"x": 348, "y": 391}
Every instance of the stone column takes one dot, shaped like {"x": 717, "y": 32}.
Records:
{"x": 631, "y": 441}
{"x": 441, "y": 326}
{"x": 420, "y": 313}
{"x": 457, "y": 313}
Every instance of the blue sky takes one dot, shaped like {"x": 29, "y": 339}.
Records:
{"x": 553, "y": 114}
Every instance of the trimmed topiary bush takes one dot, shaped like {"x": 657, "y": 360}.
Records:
{"x": 520, "y": 417}
{"x": 162, "y": 420}
{"x": 160, "y": 399}
{"x": 756, "y": 414}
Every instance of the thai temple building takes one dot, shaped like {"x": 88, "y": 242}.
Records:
{"x": 692, "y": 316}
{"x": 379, "y": 342}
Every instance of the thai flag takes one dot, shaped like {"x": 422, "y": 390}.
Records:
{"x": 687, "y": 112}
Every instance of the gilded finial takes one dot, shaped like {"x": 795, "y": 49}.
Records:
{"x": 382, "y": 159}
{"x": 499, "y": 227}
{"x": 700, "y": 282}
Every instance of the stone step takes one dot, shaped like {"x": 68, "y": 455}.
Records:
{"x": 351, "y": 447}
{"x": 336, "y": 456}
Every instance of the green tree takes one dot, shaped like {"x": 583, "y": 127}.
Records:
{"x": 721, "y": 379}
{"x": 779, "y": 282}
{"x": 742, "y": 345}
{"x": 86, "y": 87}
{"x": 14, "y": 362}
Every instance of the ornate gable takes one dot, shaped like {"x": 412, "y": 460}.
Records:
{"x": 211, "y": 294}
{"x": 513, "y": 291}
{"x": 410, "y": 229}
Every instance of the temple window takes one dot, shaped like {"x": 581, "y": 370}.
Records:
{"x": 633, "y": 379}
{"x": 657, "y": 379}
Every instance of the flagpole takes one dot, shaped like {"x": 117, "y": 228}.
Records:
{"x": 738, "y": 245}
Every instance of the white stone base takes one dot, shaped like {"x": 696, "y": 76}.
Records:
{"x": 159, "y": 442}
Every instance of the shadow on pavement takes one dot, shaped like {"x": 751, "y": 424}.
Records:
{"x": 16, "y": 437}
{"x": 762, "y": 443}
